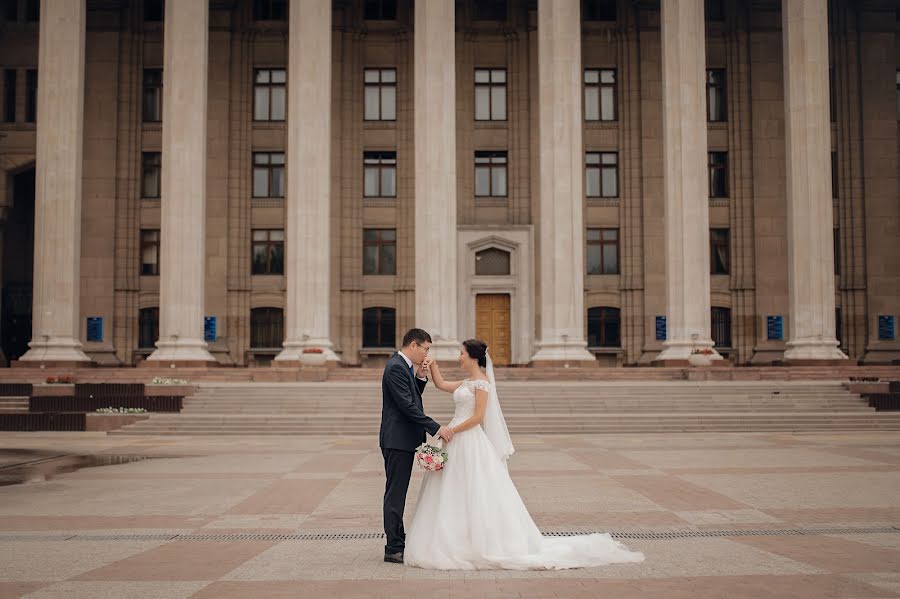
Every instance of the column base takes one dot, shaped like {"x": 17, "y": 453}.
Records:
{"x": 55, "y": 351}
{"x": 816, "y": 351}
{"x": 678, "y": 353}
{"x": 566, "y": 354}
{"x": 446, "y": 351}
{"x": 181, "y": 353}
{"x": 292, "y": 354}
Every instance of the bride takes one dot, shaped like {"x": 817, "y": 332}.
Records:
{"x": 469, "y": 515}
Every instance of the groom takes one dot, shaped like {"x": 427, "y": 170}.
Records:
{"x": 403, "y": 426}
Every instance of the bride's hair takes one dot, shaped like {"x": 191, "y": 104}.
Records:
{"x": 477, "y": 350}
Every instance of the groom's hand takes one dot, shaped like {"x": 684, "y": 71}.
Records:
{"x": 425, "y": 367}
{"x": 445, "y": 433}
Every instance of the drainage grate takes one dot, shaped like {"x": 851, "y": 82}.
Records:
{"x": 356, "y": 536}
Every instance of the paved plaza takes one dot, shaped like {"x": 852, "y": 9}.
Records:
{"x": 717, "y": 515}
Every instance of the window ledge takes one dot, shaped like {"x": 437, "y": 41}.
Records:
{"x": 717, "y": 125}
{"x": 379, "y": 125}
{"x": 605, "y": 125}
{"x": 151, "y": 126}
{"x": 267, "y": 202}
{"x": 379, "y": 202}
{"x": 378, "y": 351}
{"x": 492, "y": 124}
{"x": 268, "y": 125}
{"x": 602, "y": 202}
{"x": 718, "y": 202}
{"x": 606, "y": 350}
{"x": 491, "y": 202}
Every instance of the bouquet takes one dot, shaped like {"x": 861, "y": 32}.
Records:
{"x": 430, "y": 457}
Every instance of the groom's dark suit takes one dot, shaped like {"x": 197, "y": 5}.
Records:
{"x": 403, "y": 426}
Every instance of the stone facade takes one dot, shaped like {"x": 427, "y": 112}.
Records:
{"x": 539, "y": 203}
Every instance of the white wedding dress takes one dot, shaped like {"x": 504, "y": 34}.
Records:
{"x": 470, "y": 516}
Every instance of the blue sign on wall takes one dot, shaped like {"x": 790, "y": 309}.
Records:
{"x": 774, "y": 328}
{"x": 886, "y": 327}
{"x": 209, "y": 328}
{"x": 660, "y": 328}
{"x": 94, "y": 328}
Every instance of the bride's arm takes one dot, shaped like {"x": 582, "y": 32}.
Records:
{"x": 439, "y": 382}
{"x": 477, "y": 418}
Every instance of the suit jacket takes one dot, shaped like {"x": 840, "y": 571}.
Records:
{"x": 403, "y": 420}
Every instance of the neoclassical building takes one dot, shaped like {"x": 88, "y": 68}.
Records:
{"x": 580, "y": 181}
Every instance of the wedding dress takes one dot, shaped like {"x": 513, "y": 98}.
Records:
{"x": 470, "y": 516}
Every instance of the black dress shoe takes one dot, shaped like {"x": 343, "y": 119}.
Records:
{"x": 394, "y": 558}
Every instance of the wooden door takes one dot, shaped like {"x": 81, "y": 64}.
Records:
{"x": 492, "y": 325}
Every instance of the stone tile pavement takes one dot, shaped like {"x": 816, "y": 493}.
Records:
{"x": 717, "y": 515}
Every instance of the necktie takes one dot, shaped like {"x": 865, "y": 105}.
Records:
{"x": 412, "y": 371}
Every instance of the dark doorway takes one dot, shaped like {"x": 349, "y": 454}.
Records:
{"x": 18, "y": 268}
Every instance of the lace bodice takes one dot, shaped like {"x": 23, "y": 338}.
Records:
{"x": 464, "y": 399}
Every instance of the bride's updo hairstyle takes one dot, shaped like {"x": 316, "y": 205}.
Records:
{"x": 477, "y": 350}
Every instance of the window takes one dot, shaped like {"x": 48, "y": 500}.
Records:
{"x": 379, "y": 251}
{"x": 380, "y": 10}
{"x": 719, "y": 251}
{"x": 715, "y": 96}
{"x": 269, "y": 10}
{"x": 269, "y": 94}
{"x": 721, "y": 327}
{"x": 380, "y": 174}
{"x": 32, "y": 10}
{"x": 11, "y": 10}
{"x": 9, "y": 95}
{"x": 718, "y": 174}
{"x": 268, "y": 252}
{"x": 150, "y": 174}
{"x": 268, "y": 174}
{"x": 489, "y": 10}
{"x": 898, "y": 90}
{"x": 31, "y": 84}
{"x": 601, "y": 174}
{"x": 148, "y": 327}
{"x": 490, "y": 94}
{"x": 600, "y": 94}
{"x": 379, "y": 327}
{"x": 604, "y": 327}
{"x": 837, "y": 326}
{"x": 153, "y": 82}
{"x": 266, "y": 328}
{"x": 602, "y": 251}
{"x": 149, "y": 252}
{"x": 598, "y": 10}
{"x": 381, "y": 94}
{"x": 490, "y": 174}
{"x": 715, "y": 11}
{"x": 836, "y": 244}
{"x": 492, "y": 262}
{"x": 832, "y": 99}
{"x": 153, "y": 10}
{"x": 835, "y": 188}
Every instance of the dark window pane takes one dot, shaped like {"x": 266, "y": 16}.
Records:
{"x": 379, "y": 327}
{"x": 604, "y": 327}
{"x": 32, "y": 10}
{"x": 153, "y": 10}
{"x": 489, "y": 10}
{"x": 269, "y": 10}
{"x": 9, "y": 95}
{"x": 721, "y": 327}
{"x": 11, "y": 10}
{"x": 598, "y": 10}
{"x": 31, "y": 85}
{"x": 380, "y": 10}
{"x": 719, "y": 251}
{"x": 266, "y": 328}
{"x": 148, "y": 327}
{"x": 715, "y": 10}
{"x": 492, "y": 261}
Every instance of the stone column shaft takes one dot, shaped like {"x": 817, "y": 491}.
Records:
{"x": 435, "y": 168}
{"x": 685, "y": 179}
{"x": 183, "y": 215}
{"x": 57, "y": 214}
{"x": 562, "y": 333}
{"x": 809, "y": 205}
{"x": 308, "y": 239}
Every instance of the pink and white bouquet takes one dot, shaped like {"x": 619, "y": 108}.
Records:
{"x": 430, "y": 457}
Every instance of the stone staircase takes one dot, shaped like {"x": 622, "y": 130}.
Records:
{"x": 354, "y": 408}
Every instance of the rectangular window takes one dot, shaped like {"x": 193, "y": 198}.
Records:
{"x": 268, "y": 174}
{"x": 489, "y": 10}
{"x": 148, "y": 327}
{"x": 266, "y": 328}
{"x": 604, "y": 327}
{"x": 837, "y": 326}
{"x": 31, "y": 84}
{"x": 379, "y": 251}
{"x": 602, "y": 251}
{"x": 490, "y": 94}
{"x": 719, "y": 251}
{"x": 715, "y": 11}
{"x": 832, "y": 99}
{"x": 149, "y": 252}
{"x": 153, "y": 10}
{"x": 836, "y": 242}
{"x": 380, "y": 174}
{"x": 268, "y": 252}
{"x": 600, "y": 94}
{"x": 153, "y": 82}
{"x": 490, "y": 174}
{"x": 269, "y": 94}
{"x": 380, "y": 94}
{"x": 9, "y": 95}
{"x": 151, "y": 170}
{"x": 32, "y": 10}
{"x": 380, "y": 10}
{"x": 835, "y": 188}
{"x": 10, "y": 10}
{"x": 269, "y": 10}
{"x": 715, "y": 96}
{"x": 898, "y": 92}
{"x": 598, "y": 10}
{"x": 602, "y": 174}
{"x": 720, "y": 326}
{"x": 379, "y": 327}
{"x": 718, "y": 174}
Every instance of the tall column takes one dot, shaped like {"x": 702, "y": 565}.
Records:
{"x": 183, "y": 223}
{"x": 308, "y": 273}
{"x": 562, "y": 334}
{"x": 809, "y": 206}
{"x": 685, "y": 180}
{"x": 435, "y": 186}
{"x": 57, "y": 213}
